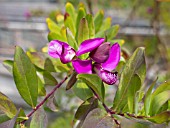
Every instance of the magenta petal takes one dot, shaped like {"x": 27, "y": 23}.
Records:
{"x": 55, "y": 48}
{"x": 113, "y": 59}
{"x": 101, "y": 53}
{"x": 82, "y": 66}
{"x": 89, "y": 45}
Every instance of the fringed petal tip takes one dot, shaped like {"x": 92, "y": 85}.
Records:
{"x": 89, "y": 45}
{"x": 82, "y": 66}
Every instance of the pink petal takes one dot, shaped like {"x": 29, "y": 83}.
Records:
{"x": 55, "y": 48}
{"x": 101, "y": 53}
{"x": 89, "y": 45}
{"x": 82, "y": 66}
{"x": 113, "y": 59}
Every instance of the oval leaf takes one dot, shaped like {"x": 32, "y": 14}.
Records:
{"x": 25, "y": 77}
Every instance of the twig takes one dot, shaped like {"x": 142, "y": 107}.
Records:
{"x": 45, "y": 99}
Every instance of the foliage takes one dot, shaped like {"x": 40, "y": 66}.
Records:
{"x": 32, "y": 73}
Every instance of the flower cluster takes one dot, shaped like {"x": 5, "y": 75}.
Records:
{"x": 103, "y": 57}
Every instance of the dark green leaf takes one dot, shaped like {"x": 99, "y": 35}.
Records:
{"x": 90, "y": 22}
{"x": 98, "y": 20}
{"x": 135, "y": 65}
{"x": 3, "y": 118}
{"x": 71, "y": 40}
{"x": 94, "y": 82}
{"x": 72, "y": 81}
{"x": 98, "y": 118}
{"x": 39, "y": 119}
{"x": 83, "y": 110}
{"x": 158, "y": 101}
{"x": 7, "y": 106}
{"x": 21, "y": 116}
{"x": 49, "y": 66}
{"x": 160, "y": 118}
{"x": 41, "y": 88}
{"x": 8, "y": 64}
{"x": 83, "y": 31}
{"x": 147, "y": 99}
{"x": 25, "y": 77}
{"x": 135, "y": 85}
{"x": 81, "y": 90}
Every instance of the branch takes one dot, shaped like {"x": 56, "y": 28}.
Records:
{"x": 45, "y": 99}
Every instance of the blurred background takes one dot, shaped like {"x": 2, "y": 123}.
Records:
{"x": 142, "y": 23}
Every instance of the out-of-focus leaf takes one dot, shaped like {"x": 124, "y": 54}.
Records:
{"x": 112, "y": 32}
{"x": 90, "y": 22}
{"x": 71, "y": 11}
{"x": 81, "y": 14}
{"x": 71, "y": 40}
{"x": 98, "y": 118}
{"x": 8, "y": 64}
{"x": 147, "y": 99}
{"x": 49, "y": 79}
{"x": 10, "y": 123}
{"x": 37, "y": 58}
{"x": 135, "y": 85}
{"x": 81, "y": 90}
{"x": 39, "y": 119}
{"x": 106, "y": 24}
{"x": 135, "y": 65}
{"x": 160, "y": 118}
{"x": 83, "y": 31}
{"x": 69, "y": 23}
{"x": 63, "y": 33}
{"x": 3, "y": 118}
{"x": 52, "y": 104}
{"x": 55, "y": 36}
{"x": 83, "y": 110}
{"x": 158, "y": 101}
{"x": 94, "y": 82}
{"x": 7, "y": 106}
{"x": 21, "y": 115}
{"x": 41, "y": 88}
{"x": 72, "y": 81}
{"x": 119, "y": 41}
{"x": 25, "y": 77}
{"x": 49, "y": 66}
{"x": 60, "y": 67}
{"x": 52, "y": 26}
{"x": 98, "y": 20}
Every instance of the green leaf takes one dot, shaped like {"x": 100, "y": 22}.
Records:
{"x": 81, "y": 90}
{"x": 53, "y": 27}
{"x": 41, "y": 88}
{"x": 71, "y": 40}
{"x": 71, "y": 11}
{"x": 8, "y": 64}
{"x": 52, "y": 103}
{"x": 83, "y": 110}
{"x": 7, "y": 106}
{"x": 49, "y": 66}
{"x": 147, "y": 99}
{"x": 3, "y": 118}
{"x": 112, "y": 32}
{"x": 39, "y": 119}
{"x": 98, "y": 20}
{"x": 158, "y": 101}
{"x": 135, "y": 65}
{"x": 94, "y": 82}
{"x": 21, "y": 115}
{"x": 25, "y": 77}
{"x": 160, "y": 118}
{"x": 69, "y": 23}
{"x": 119, "y": 41}
{"x": 90, "y": 22}
{"x": 106, "y": 24}
{"x": 83, "y": 31}
{"x": 98, "y": 118}
{"x": 55, "y": 36}
{"x": 72, "y": 81}
{"x": 134, "y": 86}
{"x": 81, "y": 14}
{"x": 49, "y": 79}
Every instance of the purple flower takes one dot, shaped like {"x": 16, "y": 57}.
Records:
{"x": 104, "y": 56}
